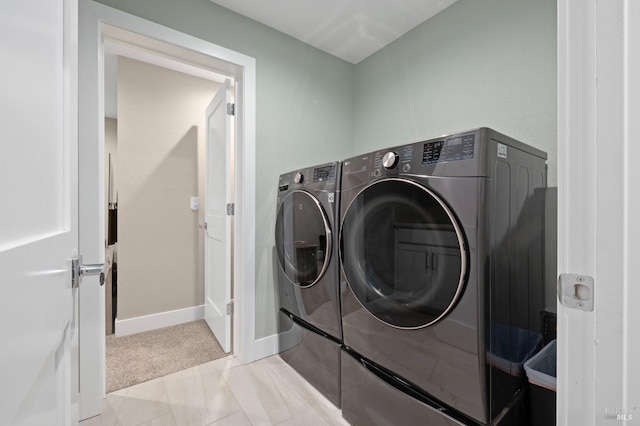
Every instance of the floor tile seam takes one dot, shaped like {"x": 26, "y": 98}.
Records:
{"x": 168, "y": 409}
{"x": 225, "y": 373}
{"x": 309, "y": 393}
{"x": 247, "y": 377}
{"x": 113, "y": 411}
{"x": 320, "y": 408}
{"x": 204, "y": 394}
{"x": 158, "y": 417}
{"x": 229, "y": 415}
{"x": 274, "y": 380}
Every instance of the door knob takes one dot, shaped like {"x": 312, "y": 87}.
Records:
{"x": 79, "y": 270}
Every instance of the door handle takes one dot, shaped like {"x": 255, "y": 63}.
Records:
{"x": 79, "y": 270}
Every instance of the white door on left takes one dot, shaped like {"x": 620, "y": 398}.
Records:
{"x": 38, "y": 211}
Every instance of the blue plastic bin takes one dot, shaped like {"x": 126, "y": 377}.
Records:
{"x": 511, "y": 347}
{"x": 541, "y": 374}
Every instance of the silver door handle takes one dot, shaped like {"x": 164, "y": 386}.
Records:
{"x": 79, "y": 270}
{"x": 94, "y": 269}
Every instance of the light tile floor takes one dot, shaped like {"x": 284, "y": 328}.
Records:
{"x": 221, "y": 392}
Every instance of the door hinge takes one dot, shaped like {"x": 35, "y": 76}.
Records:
{"x": 231, "y": 209}
{"x": 231, "y": 109}
{"x": 230, "y": 308}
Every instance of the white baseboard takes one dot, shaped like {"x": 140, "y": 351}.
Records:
{"x": 265, "y": 347}
{"x": 160, "y": 320}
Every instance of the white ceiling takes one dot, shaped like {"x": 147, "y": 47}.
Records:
{"x": 348, "y": 29}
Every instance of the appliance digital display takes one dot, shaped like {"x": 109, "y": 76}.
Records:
{"x": 324, "y": 174}
{"x": 454, "y": 149}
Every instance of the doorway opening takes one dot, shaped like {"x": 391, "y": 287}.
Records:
{"x": 98, "y": 22}
{"x": 156, "y": 193}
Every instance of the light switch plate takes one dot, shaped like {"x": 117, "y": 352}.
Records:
{"x": 576, "y": 291}
{"x": 195, "y": 203}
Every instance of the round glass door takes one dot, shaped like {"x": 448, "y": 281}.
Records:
{"x": 303, "y": 238}
{"x": 403, "y": 253}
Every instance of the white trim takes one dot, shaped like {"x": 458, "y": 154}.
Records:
{"x": 159, "y": 320}
{"x": 576, "y": 205}
{"x": 245, "y": 201}
{"x": 631, "y": 320}
{"x": 265, "y": 347}
{"x": 243, "y": 69}
{"x": 244, "y": 330}
{"x": 120, "y": 48}
{"x": 609, "y": 395}
{"x": 598, "y": 93}
{"x": 91, "y": 313}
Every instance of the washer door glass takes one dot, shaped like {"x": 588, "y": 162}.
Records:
{"x": 303, "y": 238}
{"x": 403, "y": 253}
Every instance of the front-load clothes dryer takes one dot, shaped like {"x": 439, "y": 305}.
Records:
{"x": 310, "y": 325}
{"x": 441, "y": 246}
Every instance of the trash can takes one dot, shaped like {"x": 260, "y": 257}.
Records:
{"x": 541, "y": 374}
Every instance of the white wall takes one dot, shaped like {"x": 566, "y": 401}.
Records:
{"x": 160, "y": 135}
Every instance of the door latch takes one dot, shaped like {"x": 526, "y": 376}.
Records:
{"x": 576, "y": 291}
{"x": 79, "y": 270}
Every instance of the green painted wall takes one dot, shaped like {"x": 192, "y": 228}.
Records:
{"x": 477, "y": 63}
{"x": 304, "y": 110}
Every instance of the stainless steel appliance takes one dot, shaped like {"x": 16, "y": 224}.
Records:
{"x": 441, "y": 246}
{"x": 308, "y": 274}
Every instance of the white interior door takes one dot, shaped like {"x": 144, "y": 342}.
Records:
{"x": 38, "y": 216}
{"x": 217, "y": 272}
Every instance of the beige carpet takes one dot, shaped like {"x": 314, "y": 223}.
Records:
{"x": 144, "y": 356}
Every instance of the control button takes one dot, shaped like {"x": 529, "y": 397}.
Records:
{"x": 406, "y": 167}
{"x": 298, "y": 178}
{"x": 390, "y": 160}
{"x": 376, "y": 172}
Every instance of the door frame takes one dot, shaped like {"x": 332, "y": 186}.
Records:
{"x": 598, "y": 102}
{"x": 93, "y": 18}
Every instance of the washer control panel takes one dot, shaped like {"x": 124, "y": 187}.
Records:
{"x": 323, "y": 177}
{"x": 324, "y": 173}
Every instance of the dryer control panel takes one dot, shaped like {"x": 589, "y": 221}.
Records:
{"x": 400, "y": 157}
{"x": 452, "y": 149}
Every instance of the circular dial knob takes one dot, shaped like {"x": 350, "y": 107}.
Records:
{"x": 390, "y": 160}
{"x": 298, "y": 178}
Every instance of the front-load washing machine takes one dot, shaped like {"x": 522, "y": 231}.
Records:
{"x": 441, "y": 246}
{"x": 310, "y": 325}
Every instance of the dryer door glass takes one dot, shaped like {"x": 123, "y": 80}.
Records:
{"x": 303, "y": 238}
{"x": 403, "y": 253}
